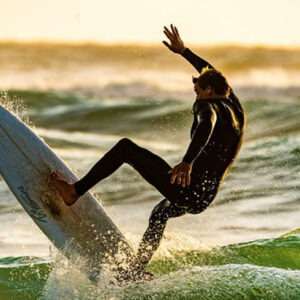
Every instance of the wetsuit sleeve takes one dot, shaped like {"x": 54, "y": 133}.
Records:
{"x": 201, "y": 135}
{"x": 197, "y": 62}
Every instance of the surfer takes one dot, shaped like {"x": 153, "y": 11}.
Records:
{"x": 191, "y": 185}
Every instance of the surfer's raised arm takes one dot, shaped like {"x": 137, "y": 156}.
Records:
{"x": 176, "y": 45}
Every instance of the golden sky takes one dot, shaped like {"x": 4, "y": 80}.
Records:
{"x": 199, "y": 21}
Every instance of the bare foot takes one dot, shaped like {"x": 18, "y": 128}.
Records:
{"x": 65, "y": 189}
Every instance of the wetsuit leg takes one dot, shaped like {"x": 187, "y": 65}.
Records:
{"x": 198, "y": 199}
{"x": 153, "y": 169}
{"x": 150, "y": 166}
{"x": 153, "y": 234}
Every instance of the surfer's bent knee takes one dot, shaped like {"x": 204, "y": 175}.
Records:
{"x": 159, "y": 214}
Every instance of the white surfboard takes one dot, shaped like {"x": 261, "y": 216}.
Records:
{"x": 26, "y": 162}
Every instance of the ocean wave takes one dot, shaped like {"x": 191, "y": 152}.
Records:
{"x": 270, "y": 112}
{"x": 254, "y": 270}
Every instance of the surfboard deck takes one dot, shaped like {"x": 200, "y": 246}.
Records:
{"x": 84, "y": 228}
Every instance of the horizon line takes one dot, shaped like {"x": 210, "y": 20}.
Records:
{"x": 130, "y": 43}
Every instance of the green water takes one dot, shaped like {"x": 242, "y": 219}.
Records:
{"x": 261, "y": 269}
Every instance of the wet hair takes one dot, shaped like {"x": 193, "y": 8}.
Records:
{"x": 214, "y": 79}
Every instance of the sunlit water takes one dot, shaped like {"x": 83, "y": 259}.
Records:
{"x": 207, "y": 256}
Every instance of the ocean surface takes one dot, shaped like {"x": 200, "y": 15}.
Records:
{"x": 83, "y": 98}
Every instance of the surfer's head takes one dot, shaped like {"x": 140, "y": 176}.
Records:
{"x": 211, "y": 83}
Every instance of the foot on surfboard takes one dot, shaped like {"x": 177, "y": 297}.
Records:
{"x": 65, "y": 189}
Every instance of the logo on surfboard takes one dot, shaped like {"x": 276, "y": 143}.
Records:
{"x": 34, "y": 210}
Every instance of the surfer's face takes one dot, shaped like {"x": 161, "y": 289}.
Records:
{"x": 202, "y": 93}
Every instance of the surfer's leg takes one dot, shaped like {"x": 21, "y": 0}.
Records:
{"x": 152, "y": 167}
{"x": 153, "y": 234}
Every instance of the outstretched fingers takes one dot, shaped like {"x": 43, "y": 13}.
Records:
{"x": 173, "y": 29}
{"x": 167, "y": 30}
{"x": 168, "y": 34}
{"x": 177, "y": 32}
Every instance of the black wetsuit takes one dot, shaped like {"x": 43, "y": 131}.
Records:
{"x": 215, "y": 140}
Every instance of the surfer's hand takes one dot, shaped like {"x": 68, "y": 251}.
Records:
{"x": 181, "y": 174}
{"x": 175, "y": 44}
